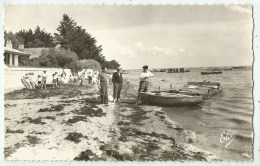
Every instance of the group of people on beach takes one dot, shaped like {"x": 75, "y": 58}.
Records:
{"x": 117, "y": 80}
{"x": 57, "y": 79}
{"x": 101, "y": 80}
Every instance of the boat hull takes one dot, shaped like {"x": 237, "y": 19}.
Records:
{"x": 206, "y": 89}
{"x": 170, "y": 101}
{"x": 211, "y": 72}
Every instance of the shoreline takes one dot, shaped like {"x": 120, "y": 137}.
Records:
{"x": 68, "y": 123}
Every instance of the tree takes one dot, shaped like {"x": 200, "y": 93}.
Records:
{"x": 76, "y": 39}
{"x": 89, "y": 64}
{"x": 16, "y": 40}
{"x": 57, "y": 58}
{"x": 37, "y": 38}
{"x": 111, "y": 64}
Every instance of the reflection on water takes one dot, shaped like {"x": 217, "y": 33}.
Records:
{"x": 232, "y": 110}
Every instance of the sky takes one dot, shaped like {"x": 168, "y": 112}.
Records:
{"x": 159, "y": 36}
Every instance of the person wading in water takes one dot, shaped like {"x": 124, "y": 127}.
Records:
{"x": 117, "y": 80}
{"x": 144, "y": 82}
{"x": 102, "y": 77}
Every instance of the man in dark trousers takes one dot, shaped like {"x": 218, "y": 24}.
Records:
{"x": 144, "y": 82}
{"x": 102, "y": 77}
{"x": 117, "y": 80}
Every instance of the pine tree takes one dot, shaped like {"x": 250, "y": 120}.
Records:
{"x": 74, "y": 37}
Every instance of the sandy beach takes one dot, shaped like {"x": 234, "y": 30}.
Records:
{"x": 68, "y": 123}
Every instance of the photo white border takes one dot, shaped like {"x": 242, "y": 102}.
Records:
{"x": 256, "y": 77}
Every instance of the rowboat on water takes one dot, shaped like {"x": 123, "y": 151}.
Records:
{"x": 206, "y": 89}
{"x": 211, "y": 72}
{"x": 170, "y": 99}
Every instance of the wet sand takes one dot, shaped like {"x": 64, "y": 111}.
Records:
{"x": 68, "y": 123}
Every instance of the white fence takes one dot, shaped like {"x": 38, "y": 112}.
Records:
{"x": 13, "y": 76}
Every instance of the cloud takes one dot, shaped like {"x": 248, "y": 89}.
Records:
{"x": 240, "y": 9}
{"x": 138, "y": 49}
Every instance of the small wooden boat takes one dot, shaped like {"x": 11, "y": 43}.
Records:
{"x": 206, "y": 89}
{"x": 170, "y": 99}
{"x": 211, "y": 72}
{"x": 28, "y": 83}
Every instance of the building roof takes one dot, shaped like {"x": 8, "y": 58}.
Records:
{"x": 35, "y": 52}
{"x": 14, "y": 51}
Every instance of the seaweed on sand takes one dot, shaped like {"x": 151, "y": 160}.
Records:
{"x": 126, "y": 123}
{"x": 111, "y": 152}
{"x": 61, "y": 114}
{"x": 66, "y": 92}
{"x": 35, "y": 121}
{"x": 126, "y": 132}
{"x": 160, "y": 115}
{"x": 89, "y": 111}
{"x": 11, "y": 149}
{"x": 33, "y": 139}
{"x": 137, "y": 116}
{"x": 75, "y": 119}
{"x": 86, "y": 155}
{"x": 49, "y": 117}
{"x": 36, "y": 132}
{"x": 75, "y": 137}
{"x": 14, "y": 131}
{"x": 56, "y": 108}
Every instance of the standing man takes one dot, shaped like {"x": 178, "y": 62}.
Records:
{"x": 102, "y": 77}
{"x": 44, "y": 79}
{"x": 117, "y": 80}
{"x": 144, "y": 82}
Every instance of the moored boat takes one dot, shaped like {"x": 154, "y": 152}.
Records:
{"x": 211, "y": 72}
{"x": 206, "y": 89}
{"x": 177, "y": 70}
{"x": 169, "y": 99}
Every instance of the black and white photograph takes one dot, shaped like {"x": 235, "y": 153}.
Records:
{"x": 128, "y": 82}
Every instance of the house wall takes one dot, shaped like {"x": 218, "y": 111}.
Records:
{"x": 10, "y": 59}
{"x": 13, "y": 76}
{"x": 16, "y": 60}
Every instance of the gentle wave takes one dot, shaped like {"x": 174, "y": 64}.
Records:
{"x": 238, "y": 121}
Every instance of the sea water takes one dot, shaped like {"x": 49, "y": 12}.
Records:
{"x": 231, "y": 111}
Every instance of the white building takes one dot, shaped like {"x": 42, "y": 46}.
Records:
{"x": 12, "y": 57}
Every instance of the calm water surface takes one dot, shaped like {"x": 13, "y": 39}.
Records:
{"x": 232, "y": 110}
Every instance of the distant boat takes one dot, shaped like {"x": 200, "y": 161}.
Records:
{"x": 125, "y": 72}
{"x": 158, "y": 70}
{"x": 228, "y": 69}
{"x": 113, "y": 71}
{"x": 211, "y": 72}
{"x": 170, "y": 99}
{"x": 239, "y": 67}
{"x": 178, "y": 70}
